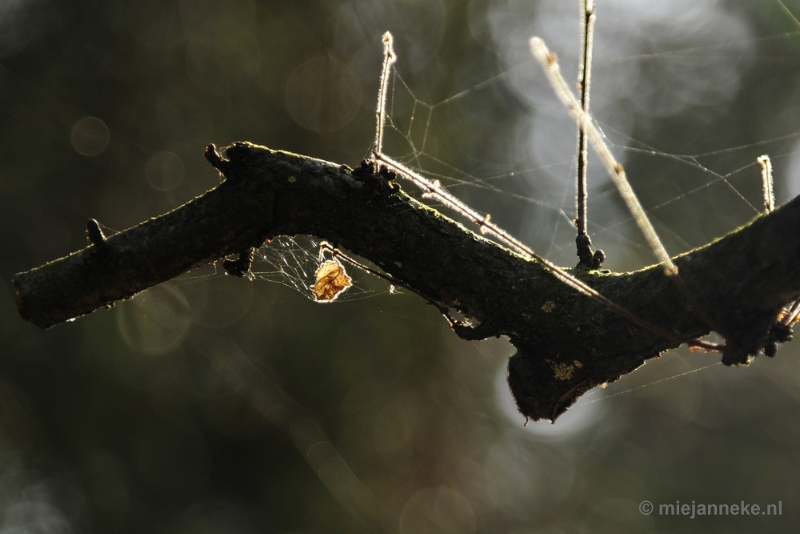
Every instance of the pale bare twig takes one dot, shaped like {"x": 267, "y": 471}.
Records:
{"x": 615, "y": 169}
{"x": 549, "y": 63}
{"x": 389, "y": 58}
{"x": 766, "y": 182}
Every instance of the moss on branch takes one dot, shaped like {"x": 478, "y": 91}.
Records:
{"x": 566, "y": 342}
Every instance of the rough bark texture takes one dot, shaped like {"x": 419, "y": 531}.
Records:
{"x": 566, "y": 342}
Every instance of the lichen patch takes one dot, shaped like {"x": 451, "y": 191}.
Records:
{"x": 563, "y": 371}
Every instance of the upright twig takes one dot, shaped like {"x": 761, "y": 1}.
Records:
{"x": 615, "y": 169}
{"x": 584, "y": 242}
{"x": 766, "y": 183}
{"x": 389, "y": 59}
{"x": 549, "y": 63}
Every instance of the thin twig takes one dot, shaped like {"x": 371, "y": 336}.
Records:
{"x": 549, "y": 63}
{"x": 766, "y": 183}
{"x": 584, "y": 84}
{"x": 388, "y": 60}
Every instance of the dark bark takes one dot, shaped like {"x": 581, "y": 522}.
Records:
{"x": 566, "y": 342}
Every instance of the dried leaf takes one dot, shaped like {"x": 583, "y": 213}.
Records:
{"x": 332, "y": 280}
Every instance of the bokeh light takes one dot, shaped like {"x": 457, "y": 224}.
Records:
{"x": 323, "y": 94}
{"x": 165, "y": 171}
{"x": 90, "y": 136}
{"x": 155, "y": 321}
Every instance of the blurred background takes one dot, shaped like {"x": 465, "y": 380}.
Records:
{"x": 218, "y": 405}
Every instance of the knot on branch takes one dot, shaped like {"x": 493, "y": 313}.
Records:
{"x": 95, "y": 235}
{"x": 214, "y": 158}
{"x": 587, "y": 255}
{"x": 380, "y": 182}
{"x": 778, "y": 333}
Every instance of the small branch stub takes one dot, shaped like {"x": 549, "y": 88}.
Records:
{"x": 213, "y": 157}
{"x": 95, "y": 234}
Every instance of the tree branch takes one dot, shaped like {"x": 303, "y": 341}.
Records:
{"x": 566, "y": 342}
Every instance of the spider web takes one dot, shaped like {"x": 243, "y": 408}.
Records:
{"x": 292, "y": 261}
{"x": 481, "y": 143}
{"x": 469, "y": 141}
